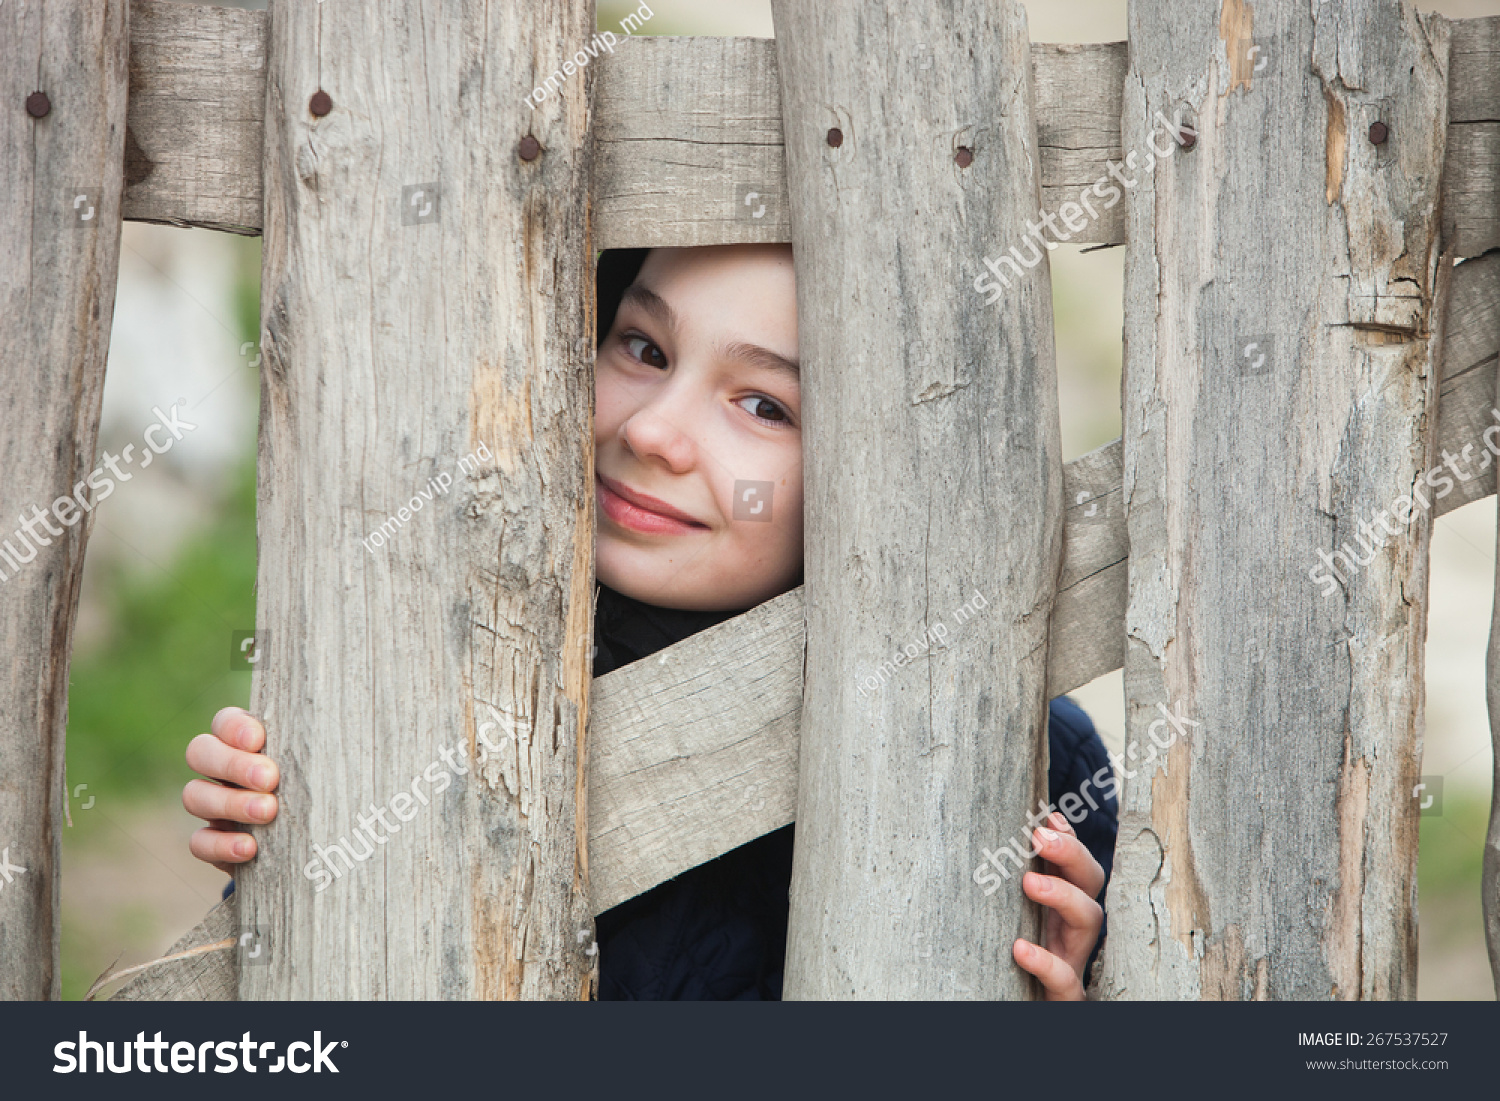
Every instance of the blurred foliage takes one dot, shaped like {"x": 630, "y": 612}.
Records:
{"x": 1452, "y": 854}
{"x": 136, "y": 701}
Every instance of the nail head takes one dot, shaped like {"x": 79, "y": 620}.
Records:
{"x": 835, "y": 137}
{"x": 38, "y": 105}
{"x": 1189, "y": 137}
{"x": 1379, "y": 131}
{"x": 530, "y": 148}
{"x": 964, "y": 157}
{"x": 321, "y": 103}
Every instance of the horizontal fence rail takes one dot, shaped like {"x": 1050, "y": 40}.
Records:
{"x": 687, "y": 127}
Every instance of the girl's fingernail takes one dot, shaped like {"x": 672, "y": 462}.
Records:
{"x": 261, "y": 777}
{"x": 1047, "y": 835}
{"x": 1056, "y": 819}
{"x": 1023, "y": 949}
{"x": 242, "y": 848}
{"x": 263, "y": 807}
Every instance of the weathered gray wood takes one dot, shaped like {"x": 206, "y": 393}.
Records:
{"x": 677, "y": 775}
{"x": 395, "y": 350}
{"x": 211, "y": 977}
{"x": 933, "y": 484}
{"x": 59, "y": 255}
{"x": 1269, "y": 850}
{"x": 686, "y": 127}
{"x": 197, "y": 105}
{"x": 1471, "y": 183}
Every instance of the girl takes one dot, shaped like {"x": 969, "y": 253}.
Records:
{"x": 697, "y": 395}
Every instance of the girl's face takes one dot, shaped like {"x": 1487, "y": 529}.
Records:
{"x": 698, "y": 431}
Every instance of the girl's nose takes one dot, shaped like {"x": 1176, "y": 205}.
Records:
{"x": 653, "y": 432}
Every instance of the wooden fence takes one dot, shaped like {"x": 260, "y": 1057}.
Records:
{"x": 1300, "y": 178}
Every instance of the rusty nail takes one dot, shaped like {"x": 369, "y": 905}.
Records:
{"x": 530, "y": 148}
{"x": 835, "y": 137}
{"x": 1188, "y": 136}
{"x": 1379, "y": 131}
{"x": 321, "y": 103}
{"x": 964, "y": 157}
{"x": 38, "y": 105}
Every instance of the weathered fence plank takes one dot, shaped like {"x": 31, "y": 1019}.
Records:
{"x": 931, "y": 428}
{"x": 1269, "y": 850}
{"x": 687, "y": 127}
{"x": 64, "y": 69}
{"x": 427, "y": 300}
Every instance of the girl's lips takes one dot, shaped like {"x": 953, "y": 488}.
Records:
{"x": 633, "y": 516}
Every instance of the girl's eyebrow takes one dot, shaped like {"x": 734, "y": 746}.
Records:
{"x": 755, "y": 356}
{"x": 652, "y": 303}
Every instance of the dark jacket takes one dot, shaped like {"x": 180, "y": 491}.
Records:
{"x": 718, "y": 931}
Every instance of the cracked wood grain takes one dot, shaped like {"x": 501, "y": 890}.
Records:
{"x": 60, "y": 251}
{"x": 917, "y": 508}
{"x": 395, "y": 349}
{"x": 1269, "y": 850}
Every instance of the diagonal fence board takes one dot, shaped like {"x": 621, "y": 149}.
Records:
{"x": 933, "y": 498}
{"x": 687, "y": 127}
{"x": 1268, "y": 840}
{"x": 693, "y": 752}
{"x": 59, "y": 260}
{"x": 428, "y": 310}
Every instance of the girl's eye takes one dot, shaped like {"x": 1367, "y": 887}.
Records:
{"x": 764, "y": 409}
{"x": 642, "y": 349}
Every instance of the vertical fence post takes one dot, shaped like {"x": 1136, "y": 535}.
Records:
{"x": 1283, "y": 297}
{"x": 64, "y": 73}
{"x": 934, "y": 493}
{"x": 426, "y": 504}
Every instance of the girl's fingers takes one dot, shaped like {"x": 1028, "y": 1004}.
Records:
{"x": 209, "y": 801}
{"x": 1077, "y": 910}
{"x": 207, "y": 755}
{"x": 1080, "y": 915}
{"x": 234, "y": 726}
{"x": 1070, "y": 856}
{"x": 1058, "y": 978}
{"x": 222, "y": 850}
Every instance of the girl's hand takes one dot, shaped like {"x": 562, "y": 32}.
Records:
{"x": 230, "y": 755}
{"x": 1073, "y": 917}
